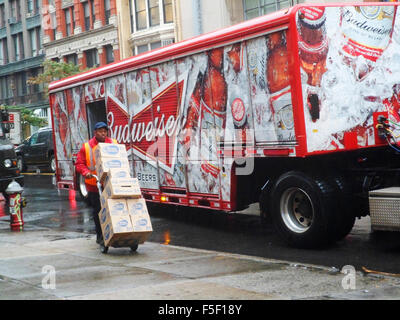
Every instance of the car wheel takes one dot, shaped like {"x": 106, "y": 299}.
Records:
{"x": 20, "y": 164}
{"x": 52, "y": 164}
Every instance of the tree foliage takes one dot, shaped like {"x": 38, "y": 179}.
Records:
{"x": 52, "y": 71}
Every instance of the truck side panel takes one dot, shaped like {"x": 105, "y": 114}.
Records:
{"x": 77, "y": 119}
{"x": 140, "y": 107}
{"x": 63, "y": 136}
{"x": 184, "y": 122}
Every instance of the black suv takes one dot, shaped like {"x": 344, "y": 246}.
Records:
{"x": 37, "y": 150}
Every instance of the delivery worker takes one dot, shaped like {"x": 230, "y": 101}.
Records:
{"x": 85, "y": 166}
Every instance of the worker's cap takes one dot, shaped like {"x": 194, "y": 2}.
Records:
{"x": 100, "y": 125}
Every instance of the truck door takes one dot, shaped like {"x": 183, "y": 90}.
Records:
{"x": 94, "y": 97}
{"x": 96, "y": 112}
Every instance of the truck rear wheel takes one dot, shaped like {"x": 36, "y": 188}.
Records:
{"x": 345, "y": 219}
{"x": 302, "y": 210}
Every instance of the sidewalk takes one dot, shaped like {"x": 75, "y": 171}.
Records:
{"x": 29, "y": 259}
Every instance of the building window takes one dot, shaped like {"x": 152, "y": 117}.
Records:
{"x": 92, "y": 58}
{"x": 18, "y": 46}
{"x": 92, "y": 12}
{"x": 37, "y": 6}
{"x": 2, "y": 16}
{"x": 107, "y": 11}
{"x": 72, "y": 58}
{"x": 109, "y": 53}
{"x": 13, "y": 9}
{"x": 141, "y": 19}
{"x": 4, "y": 50}
{"x": 150, "y": 13}
{"x": 1, "y": 53}
{"x": 155, "y": 45}
{"x": 168, "y": 16}
{"x": 29, "y": 6}
{"x": 68, "y": 22}
{"x": 131, "y": 15}
{"x": 142, "y": 48}
{"x": 5, "y": 91}
{"x": 21, "y": 84}
{"x": 34, "y": 42}
{"x": 154, "y": 12}
{"x": 53, "y": 19}
{"x": 86, "y": 12}
{"x": 35, "y": 88}
{"x": 256, "y": 8}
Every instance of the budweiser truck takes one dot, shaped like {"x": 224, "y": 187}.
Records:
{"x": 297, "y": 110}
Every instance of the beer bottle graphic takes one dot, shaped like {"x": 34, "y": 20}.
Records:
{"x": 313, "y": 50}
{"x": 278, "y": 83}
{"x": 366, "y": 33}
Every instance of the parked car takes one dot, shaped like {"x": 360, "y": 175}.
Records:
{"x": 37, "y": 150}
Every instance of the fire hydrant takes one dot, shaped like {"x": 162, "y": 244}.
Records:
{"x": 14, "y": 191}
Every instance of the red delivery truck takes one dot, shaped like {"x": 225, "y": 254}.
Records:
{"x": 297, "y": 110}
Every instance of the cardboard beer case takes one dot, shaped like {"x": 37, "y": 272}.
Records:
{"x": 117, "y": 175}
{"x": 115, "y": 227}
{"x": 115, "y": 207}
{"x": 140, "y": 218}
{"x": 129, "y": 189}
{"x": 110, "y": 150}
{"x": 103, "y": 166}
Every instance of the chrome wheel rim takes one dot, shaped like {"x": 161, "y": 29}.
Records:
{"x": 82, "y": 186}
{"x": 53, "y": 165}
{"x": 19, "y": 164}
{"x": 296, "y": 209}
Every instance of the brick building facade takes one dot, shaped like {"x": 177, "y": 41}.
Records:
{"x": 81, "y": 32}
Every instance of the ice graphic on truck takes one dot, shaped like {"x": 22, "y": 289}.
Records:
{"x": 291, "y": 110}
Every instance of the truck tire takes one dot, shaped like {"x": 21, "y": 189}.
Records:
{"x": 345, "y": 218}
{"x": 302, "y": 210}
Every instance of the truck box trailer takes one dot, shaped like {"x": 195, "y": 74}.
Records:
{"x": 297, "y": 110}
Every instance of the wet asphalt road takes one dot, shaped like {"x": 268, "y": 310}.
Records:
{"x": 206, "y": 229}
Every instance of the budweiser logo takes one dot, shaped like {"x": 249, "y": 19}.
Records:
{"x": 151, "y": 130}
{"x": 361, "y": 22}
{"x": 148, "y": 131}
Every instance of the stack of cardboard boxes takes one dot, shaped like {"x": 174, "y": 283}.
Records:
{"x": 123, "y": 216}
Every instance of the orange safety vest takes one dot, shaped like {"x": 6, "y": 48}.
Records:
{"x": 91, "y": 162}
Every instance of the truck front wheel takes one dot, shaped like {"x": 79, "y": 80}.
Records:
{"x": 302, "y": 209}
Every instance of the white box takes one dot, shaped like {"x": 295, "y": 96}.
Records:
{"x": 115, "y": 227}
{"x": 104, "y": 165}
{"x": 110, "y": 150}
{"x": 130, "y": 189}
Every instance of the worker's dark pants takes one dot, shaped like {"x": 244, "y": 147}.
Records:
{"x": 94, "y": 201}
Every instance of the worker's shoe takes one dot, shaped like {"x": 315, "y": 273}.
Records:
{"x": 99, "y": 239}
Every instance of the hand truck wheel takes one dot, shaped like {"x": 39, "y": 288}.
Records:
{"x": 103, "y": 249}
